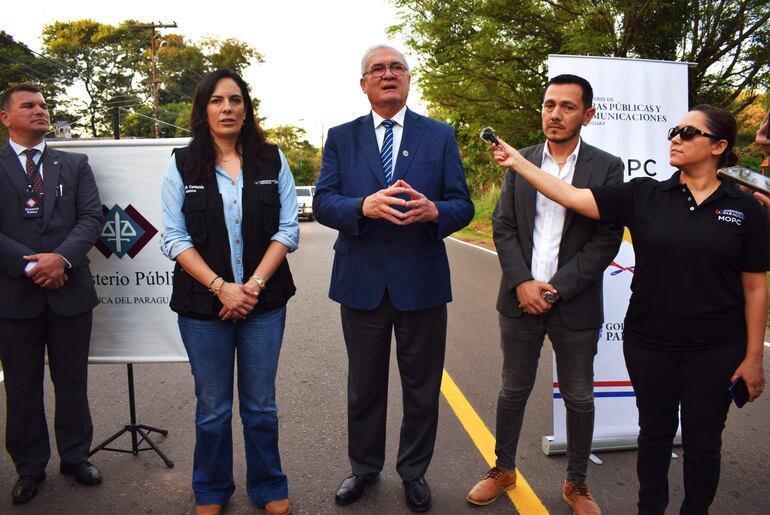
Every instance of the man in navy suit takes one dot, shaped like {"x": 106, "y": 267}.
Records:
{"x": 392, "y": 183}
{"x": 50, "y": 217}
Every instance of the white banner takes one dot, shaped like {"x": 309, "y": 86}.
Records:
{"x": 133, "y": 323}
{"x": 636, "y": 102}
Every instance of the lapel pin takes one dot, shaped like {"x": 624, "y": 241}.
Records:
{"x": 405, "y": 153}
{"x": 56, "y": 162}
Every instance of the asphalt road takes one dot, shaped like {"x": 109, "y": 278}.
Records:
{"x": 311, "y": 397}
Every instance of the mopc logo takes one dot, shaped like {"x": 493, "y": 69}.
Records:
{"x": 730, "y": 216}
{"x": 125, "y": 232}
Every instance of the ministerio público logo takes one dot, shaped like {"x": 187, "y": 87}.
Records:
{"x": 125, "y": 232}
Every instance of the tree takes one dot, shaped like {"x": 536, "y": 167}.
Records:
{"x": 304, "y": 159}
{"x": 182, "y": 64}
{"x": 483, "y": 62}
{"x": 18, "y": 65}
{"x": 175, "y": 118}
{"x": 101, "y": 57}
{"x": 114, "y": 66}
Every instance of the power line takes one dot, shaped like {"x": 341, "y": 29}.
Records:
{"x": 156, "y": 120}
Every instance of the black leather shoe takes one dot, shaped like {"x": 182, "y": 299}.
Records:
{"x": 352, "y": 488}
{"x": 417, "y": 494}
{"x": 85, "y": 473}
{"x": 25, "y": 488}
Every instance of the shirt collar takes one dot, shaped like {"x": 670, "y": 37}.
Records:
{"x": 398, "y": 118}
{"x": 573, "y": 155}
{"x": 18, "y": 149}
{"x": 727, "y": 187}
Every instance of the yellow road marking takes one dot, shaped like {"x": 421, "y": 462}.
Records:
{"x": 523, "y": 497}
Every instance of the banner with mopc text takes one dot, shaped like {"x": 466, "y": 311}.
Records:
{"x": 133, "y": 322}
{"x": 636, "y": 102}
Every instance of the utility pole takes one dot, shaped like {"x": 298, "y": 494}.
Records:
{"x": 154, "y": 49}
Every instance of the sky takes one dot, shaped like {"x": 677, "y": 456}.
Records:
{"x": 312, "y": 49}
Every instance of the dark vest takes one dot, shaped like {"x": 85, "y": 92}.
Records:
{"x": 204, "y": 215}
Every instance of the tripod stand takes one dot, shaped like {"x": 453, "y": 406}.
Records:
{"x": 136, "y": 430}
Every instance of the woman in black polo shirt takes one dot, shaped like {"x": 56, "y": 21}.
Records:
{"x": 698, "y": 308}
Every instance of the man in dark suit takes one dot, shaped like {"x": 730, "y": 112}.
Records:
{"x": 392, "y": 183}
{"x": 50, "y": 216}
{"x": 552, "y": 261}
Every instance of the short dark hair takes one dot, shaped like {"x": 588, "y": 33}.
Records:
{"x": 566, "y": 78}
{"x": 722, "y": 124}
{"x": 5, "y": 100}
{"x": 251, "y": 141}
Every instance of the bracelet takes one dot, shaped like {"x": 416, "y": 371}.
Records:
{"x": 212, "y": 282}
{"x": 260, "y": 282}
{"x": 216, "y": 291}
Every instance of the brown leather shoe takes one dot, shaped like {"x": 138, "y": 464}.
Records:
{"x": 280, "y": 507}
{"x": 494, "y": 483}
{"x": 576, "y": 494}
{"x": 208, "y": 509}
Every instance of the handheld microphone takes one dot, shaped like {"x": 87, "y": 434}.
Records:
{"x": 488, "y": 134}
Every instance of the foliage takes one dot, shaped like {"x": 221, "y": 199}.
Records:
{"x": 483, "y": 62}
{"x": 18, "y": 64}
{"x": 182, "y": 64}
{"x": 749, "y": 121}
{"x": 480, "y": 228}
{"x": 140, "y": 122}
{"x": 304, "y": 159}
{"x": 112, "y": 64}
{"x": 101, "y": 57}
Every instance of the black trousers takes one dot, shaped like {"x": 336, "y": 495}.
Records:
{"x": 420, "y": 345}
{"x": 698, "y": 382}
{"x": 23, "y": 349}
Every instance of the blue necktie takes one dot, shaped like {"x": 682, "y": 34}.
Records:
{"x": 386, "y": 154}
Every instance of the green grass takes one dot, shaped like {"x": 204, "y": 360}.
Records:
{"x": 480, "y": 229}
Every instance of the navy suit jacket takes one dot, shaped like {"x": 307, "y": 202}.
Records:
{"x": 70, "y": 226}
{"x": 372, "y": 255}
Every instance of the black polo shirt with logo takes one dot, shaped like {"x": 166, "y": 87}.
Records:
{"x": 687, "y": 291}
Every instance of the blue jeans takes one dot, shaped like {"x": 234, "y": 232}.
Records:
{"x": 213, "y": 347}
{"x": 521, "y": 340}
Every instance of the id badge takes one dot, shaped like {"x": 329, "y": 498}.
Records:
{"x": 33, "y": 204}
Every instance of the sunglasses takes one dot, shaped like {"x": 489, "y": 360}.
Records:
{"x": 688, "y": 132}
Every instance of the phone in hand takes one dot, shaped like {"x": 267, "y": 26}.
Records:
{"x": 739, "y": 392}
{"x": 749, "y": 178}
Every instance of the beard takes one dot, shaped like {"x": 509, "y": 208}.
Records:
{"x": 563, "y": 137}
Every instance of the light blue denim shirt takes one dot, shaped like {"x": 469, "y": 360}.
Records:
{"x": 175, "y": 239}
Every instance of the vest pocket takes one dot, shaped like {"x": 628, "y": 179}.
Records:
{"x": 269, "y": 198}
{"x": 194, "y": 209}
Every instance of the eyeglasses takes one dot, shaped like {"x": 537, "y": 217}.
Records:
{"x": 378, "y": 70}
{"x": 688, "y": 132}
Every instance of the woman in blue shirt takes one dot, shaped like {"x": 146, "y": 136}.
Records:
{"x": 230, "y": 214}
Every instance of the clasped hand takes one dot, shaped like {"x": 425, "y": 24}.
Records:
{"x": 382, "y": 205}
{"x": 49, "y": 270}
{"x": 530, "y": 295}
{"x": 238, "y": 300}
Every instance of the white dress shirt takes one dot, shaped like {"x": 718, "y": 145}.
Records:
{"x": 40, "y": 147}
{"x": 398, "y": 131}
{"x": 549, "y": 219}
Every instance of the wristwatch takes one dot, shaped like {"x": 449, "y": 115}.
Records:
{"x": 260, "y": 282}
{"x": 550, "y": 297}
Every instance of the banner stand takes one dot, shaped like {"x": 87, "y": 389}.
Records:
{"x": 135, "y": 429}
{"x": 551, "y": 447}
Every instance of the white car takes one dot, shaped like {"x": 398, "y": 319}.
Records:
{"x": 305, "y": 201}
